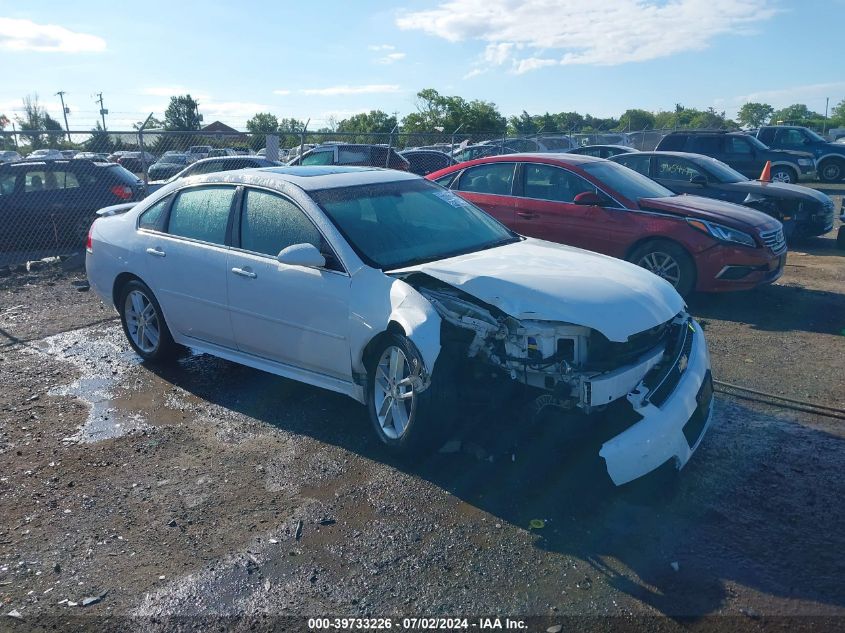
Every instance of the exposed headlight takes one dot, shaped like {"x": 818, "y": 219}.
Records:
{"x": 806, "y": 162}
{"x": 723, "y": 233}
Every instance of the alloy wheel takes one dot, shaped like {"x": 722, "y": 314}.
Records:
{"x": 663, "y": 265}
{"x": 393, "y": 395}
{"x": 142, "y": 321}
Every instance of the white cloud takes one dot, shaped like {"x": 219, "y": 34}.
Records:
{"x": 381, "y": 47}
{"x": 26, "y": 35}
{"x": 281, "y": 92}
{"x": 390, "y": 58}
{"x": 797, "y": 94}
{"x": 475, "y": 72}
{"x": 524, "y": 35}
{"x": 352, "y": 90}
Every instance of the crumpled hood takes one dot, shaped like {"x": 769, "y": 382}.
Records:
{"x": 733, "y": 215}
{"x": 779, "y": 190}
{"x": 537, "y": 280}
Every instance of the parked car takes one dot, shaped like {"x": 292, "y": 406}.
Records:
{"x": 694, "y": 243}
{"x": 212, "y": 165}
{"x": 68, "y": 153}
{"x": 97, "y": 157}
{"x": 9, "y": 156}
{"x": 471, "y": 152}
{"x": 804, "y": 212}
{"x": 51, "y": 203}
{"x": 167, "y": 166}
{"x": 352, "y": 154}
{"x": 423, "y": 161}
{"x": 198, "y": 152}
{"x": 135, "y": 161}
{"x": 45, "y": 154}
{"x": 218, "y": 152}
{"x": 381, "y": 286}
{"x": 742, "y": 152}
{"x": 830, "y": 157}
{"x": 602, "y": 151}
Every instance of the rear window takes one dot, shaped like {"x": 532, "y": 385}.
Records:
{"x": 707, "y": 145}
{"x": 673, "y": 142}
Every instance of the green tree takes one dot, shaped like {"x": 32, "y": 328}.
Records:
{"x": 260, "y": 125}
{"x": 754, "y": 114}
{"x": 99, "y": 141}
{"x": 290, "y": 131}
{"x": 182, "y": 114}
{"x": 153, "y": 124}
{"x": 436, "y": 112}
{"x": 635, "y": 119}
{"x": 837, "y": 114}
{"x": 796, "y": 114}
{"x": 372, "y": 122}
{"x": 32, "y": 122}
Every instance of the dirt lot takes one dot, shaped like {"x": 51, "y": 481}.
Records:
{"x": 211, "y": 495}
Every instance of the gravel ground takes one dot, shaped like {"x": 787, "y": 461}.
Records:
{"x": 211, "y": 495}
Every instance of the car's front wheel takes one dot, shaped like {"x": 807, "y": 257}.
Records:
{"x": 143, "y": 323}
{"x": 669, "y": 261}
{"x": 406, "y": 415}
{"x": 784, "y": 174}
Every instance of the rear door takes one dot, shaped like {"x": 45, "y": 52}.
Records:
{"x": 186, "y": 257}
{"x": 490, "y": 187}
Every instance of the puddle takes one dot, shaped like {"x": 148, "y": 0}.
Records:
{"x": 103, "y": 359}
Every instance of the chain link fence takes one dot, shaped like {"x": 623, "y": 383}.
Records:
{"x": 52, "y": 183}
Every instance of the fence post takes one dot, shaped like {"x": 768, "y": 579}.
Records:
{"x": 457, "y": 129}
{"x": 390, "y": 145}
{"x": 143, "y": 150}
{"x": 302, "y": 140}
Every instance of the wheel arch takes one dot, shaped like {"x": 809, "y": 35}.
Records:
{"x": 119, "y": 282}
{"x": 663, "y": 238}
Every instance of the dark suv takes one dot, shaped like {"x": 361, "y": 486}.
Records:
{"x": 51, "y": 203}
{"x": 742, "y": 152}
{"x": 830, "y": 157}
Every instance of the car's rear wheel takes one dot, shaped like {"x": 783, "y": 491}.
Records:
{"x": 144, "y": 324}
{"x": 785, "y": 174}
{"x": 669, "y": 261}
{"x": 407, "y": 418}
{"x": 832, "y": 170}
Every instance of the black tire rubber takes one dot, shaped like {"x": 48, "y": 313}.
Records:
{"x": 789, "y": 171}
{"x": 840, "y": 238}
{"x": 167, "y": 349}
{"x": 836, "y": 167}
{"x": 686, "y": 283}
{"x": 430, "y": 416}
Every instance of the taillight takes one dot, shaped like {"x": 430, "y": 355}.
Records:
{"x": 123, "y": 192}
{"x": 89, "y": 242}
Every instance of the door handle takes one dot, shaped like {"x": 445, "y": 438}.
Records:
{"x": 156, "y": 251}
{"x": 244, "y": 272}
{"x": 527, "y": 215}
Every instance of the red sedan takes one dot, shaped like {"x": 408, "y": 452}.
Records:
{"x": 694, "y": 243}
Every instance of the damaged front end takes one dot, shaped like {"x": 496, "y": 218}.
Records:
{"x": 578, "y": 369}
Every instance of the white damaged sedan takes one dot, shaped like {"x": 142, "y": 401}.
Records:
{"x": 394, "y": 291}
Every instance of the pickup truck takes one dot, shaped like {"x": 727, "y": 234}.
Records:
{"x": 830, "y": 157}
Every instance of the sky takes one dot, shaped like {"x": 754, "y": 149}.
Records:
{"x": 326, "y": 58}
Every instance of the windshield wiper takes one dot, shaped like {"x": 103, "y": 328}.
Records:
{"x": 458, "y": 253}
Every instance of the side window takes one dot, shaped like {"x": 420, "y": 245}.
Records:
{"x": 202, "y": 214}
{"x": 7, "y": 183}
{"x": 358, "y": 155}
{"x": 208, "y": 168}
{"x": 65, "y": 180}
{"x": 637, "y": 163}
{"x": 546, "y": 182}
{"x": 323, "y": 157}
{"x": 708, "y": 145}
{"x": 738, "y": 145}
{"x": 35, "y": 180}
{"x": 591, "y": 151}
{"x": 270, "y": 223}
{"x": 443, "y": 180}
{"x": 673, "y": 142}
{"x": 676, "y": 169}
{"x": 790, "y": 137}
{"x": 151, "y": 217}
{"x": 494, "y": 178}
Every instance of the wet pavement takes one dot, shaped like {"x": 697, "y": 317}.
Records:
{"x": 211, "y": 489}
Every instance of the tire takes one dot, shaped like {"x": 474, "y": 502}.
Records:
{"x": 415, "y": 423}
{"x": 781, "y": 173}
{"x": 152, "y": 341}
{"x": 667, "y": 260}
{"x": 832, "y": 170}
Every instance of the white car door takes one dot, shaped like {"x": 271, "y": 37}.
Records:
{"x": 289, "y": 314}
{"x": 186, "y": 262}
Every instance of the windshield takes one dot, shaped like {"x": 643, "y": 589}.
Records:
{"x": 174, "y": 159}
{"x": 397, "y": 224}
{"x": 814, "y": 135}
{"x": 629, "y": 183}
{"x": 722, "y": 172}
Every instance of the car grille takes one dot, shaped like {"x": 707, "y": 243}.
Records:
{"x": 662, "y": 380}
{"x": 774, "y": 240}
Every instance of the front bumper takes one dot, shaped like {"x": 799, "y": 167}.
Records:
{"x": 717, "y": 265}
{"x": 662, "y": 433}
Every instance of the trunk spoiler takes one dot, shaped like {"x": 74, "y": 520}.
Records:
{"x": 116, "y": 209}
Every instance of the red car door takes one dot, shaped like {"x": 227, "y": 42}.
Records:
{"x": 545, "y": 208}
{"x": 490, "y": 187}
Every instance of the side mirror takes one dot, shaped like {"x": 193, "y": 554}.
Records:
{"x": 305, "y": 255}
{"x": 590, "y": 199}
{"x": 698, "y": 179}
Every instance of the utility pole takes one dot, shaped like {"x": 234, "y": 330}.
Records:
{"x": 65, "y": 110}
{"x": 103, "y": 111}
